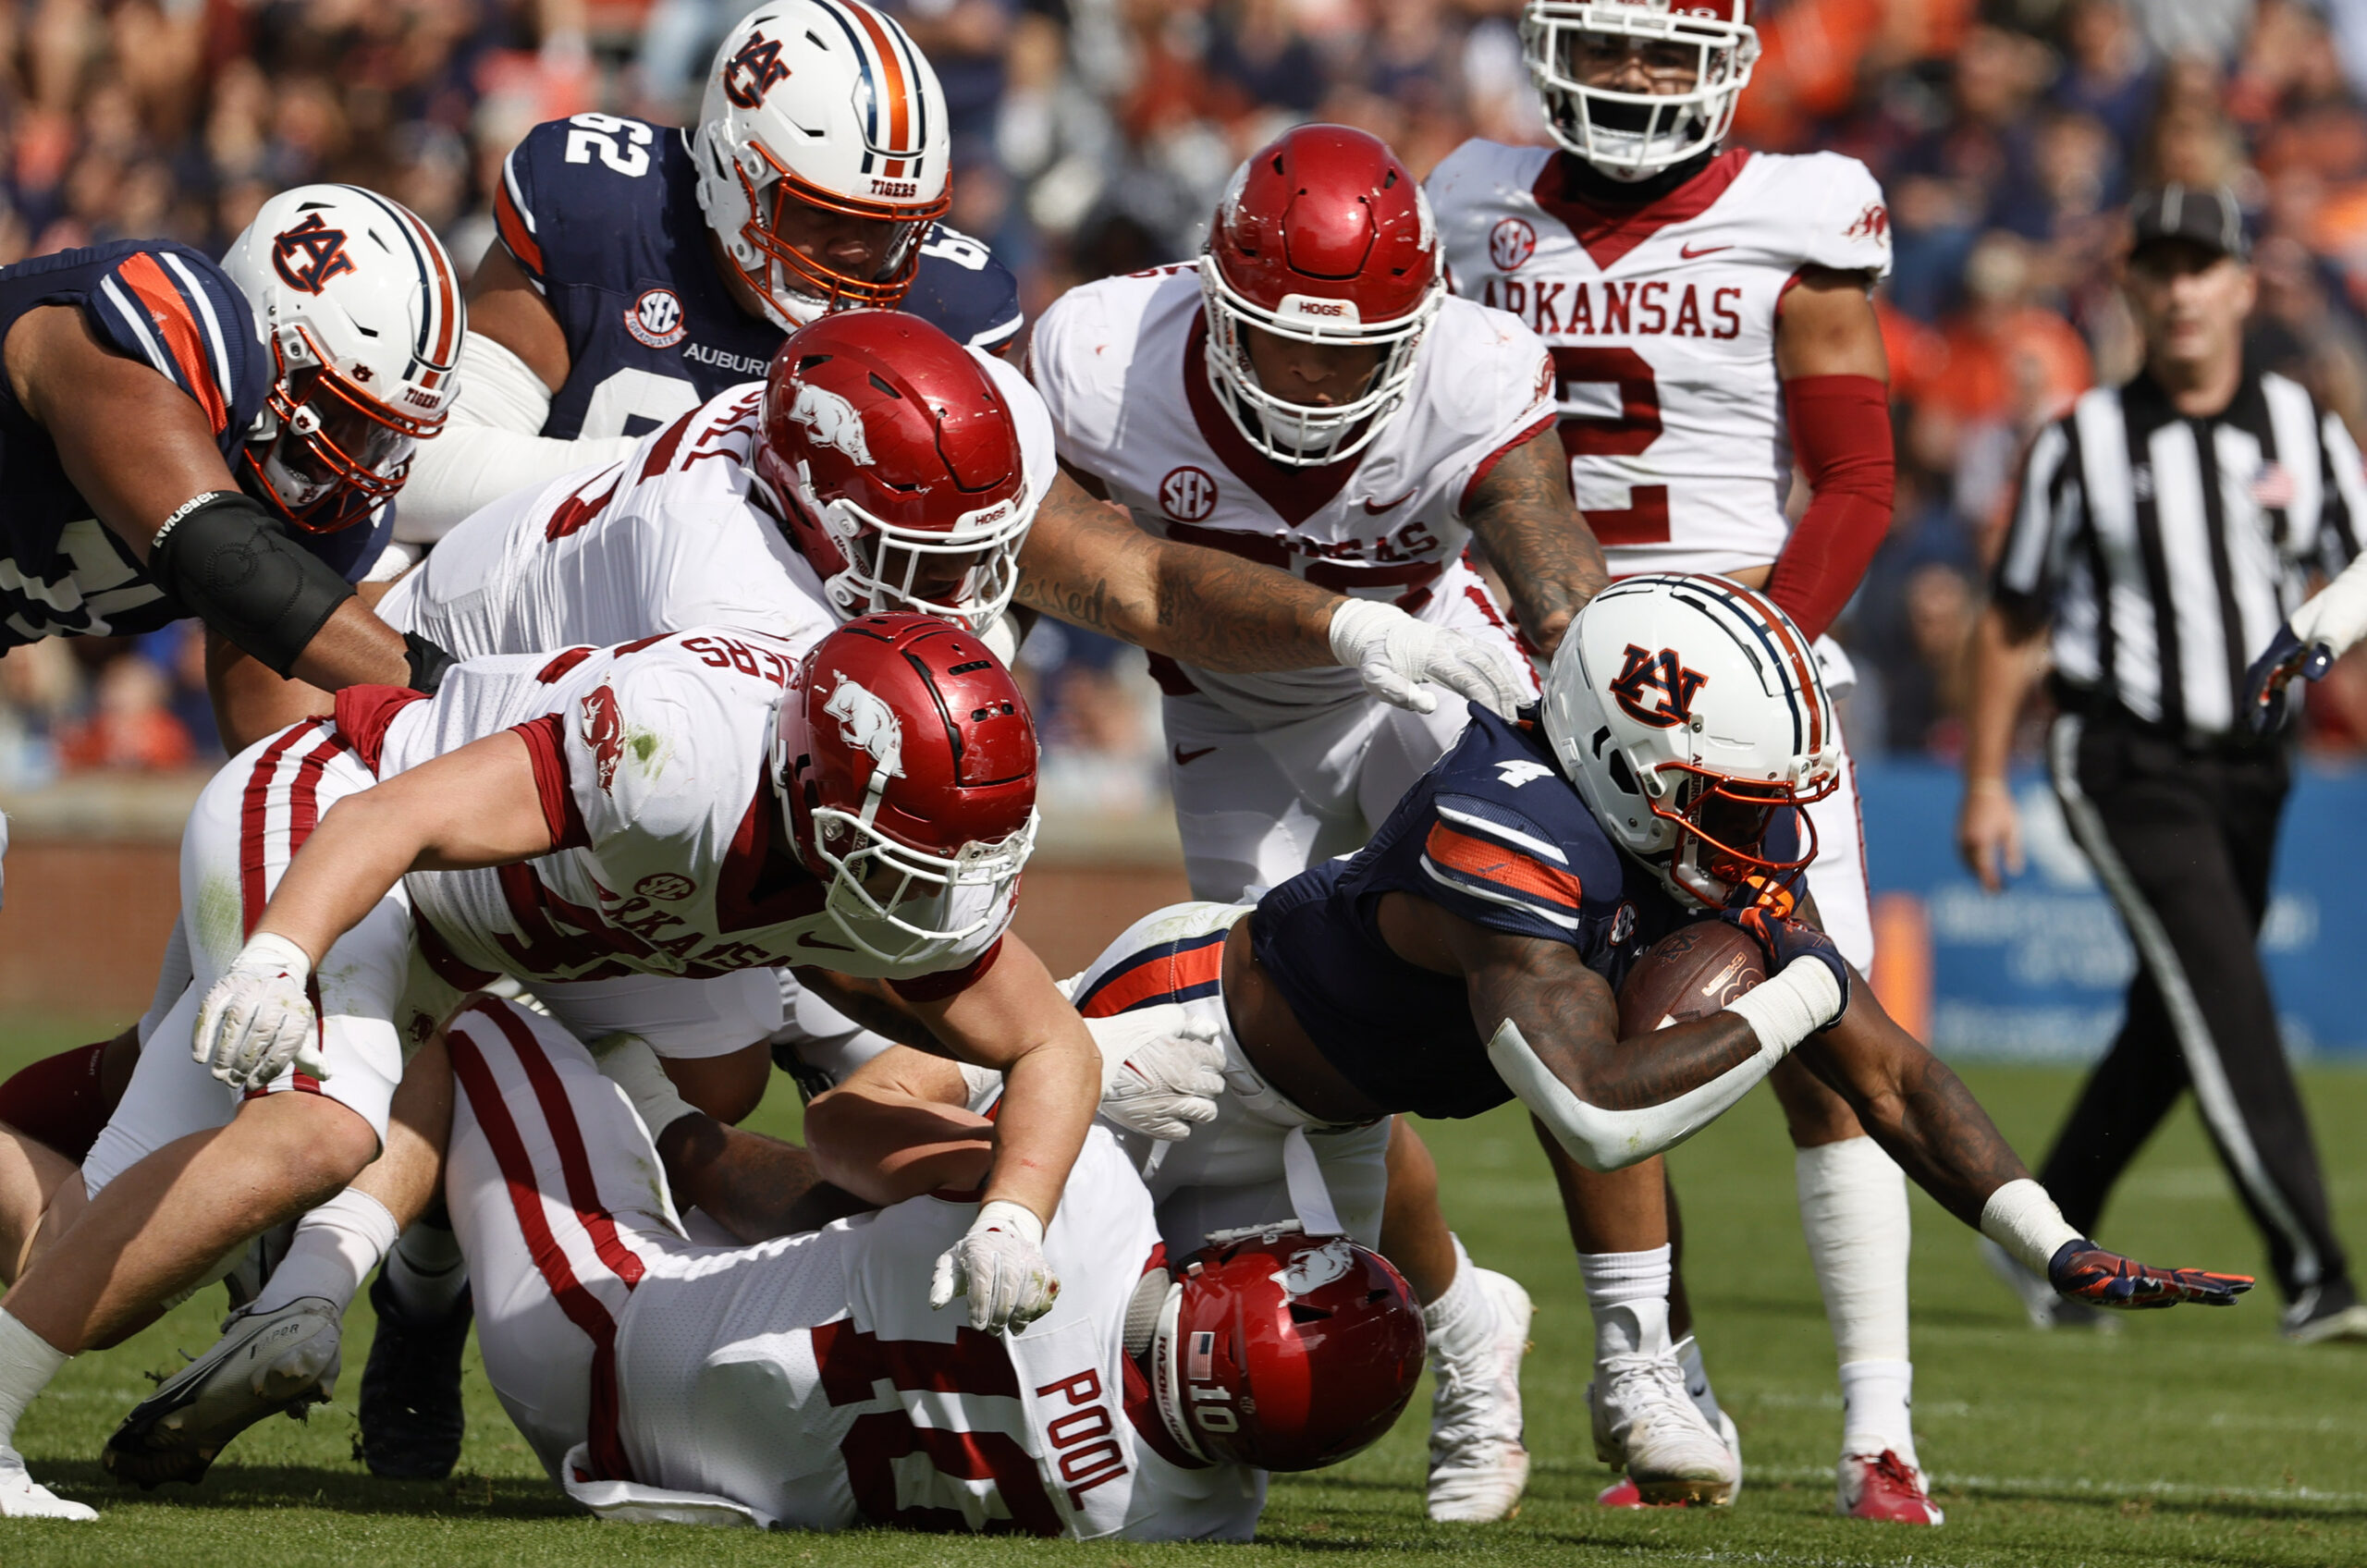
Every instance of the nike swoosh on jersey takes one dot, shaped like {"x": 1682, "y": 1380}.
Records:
{"x": 1184, "y": 758}
{"x": 1688, "y": 254}
{"x": 1374, "y": 508}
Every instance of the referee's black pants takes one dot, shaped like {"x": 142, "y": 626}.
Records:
{"x": 2182, "y": 839}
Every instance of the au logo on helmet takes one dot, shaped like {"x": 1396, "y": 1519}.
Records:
{"x": 1661, "y": 676}
{"x": 868, "y": 724}
{"x": 322, "y": 249}
{"x": 835, "y": 423}
{"x": 752, "y": 72}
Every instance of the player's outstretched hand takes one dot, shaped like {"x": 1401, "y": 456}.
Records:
{"x": 1787, "y": 941}
{"x": 1163, "y": 1069}
{"x": 1398, "y": 658}
{"x": 258, "y": 1019}
{"x": 2084, "y": 1272}
{"x": 2265, "y": 701}
{"x": 1000, "y": 1266}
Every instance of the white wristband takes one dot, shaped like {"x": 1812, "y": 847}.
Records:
{"x": 2021, "y": 1218}
{"x": 1355, "y": 623}
{"x": 267, "y": 950}
{"x": 1788, "y": 1008}
{"x": 1015, "y": 1217}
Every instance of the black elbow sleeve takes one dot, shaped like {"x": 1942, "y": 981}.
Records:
{"x": 233, "y": 566}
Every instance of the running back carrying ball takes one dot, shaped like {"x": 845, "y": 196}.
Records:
{"x": 1689, "y": 974}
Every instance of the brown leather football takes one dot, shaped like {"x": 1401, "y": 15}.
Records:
{"x": 1688, "y": 973}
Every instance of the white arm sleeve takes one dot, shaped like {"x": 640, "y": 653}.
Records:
{"x": 488, "y": 448}
{"x": 1782, "y": 1011}
{"x": 2337, "y": 614}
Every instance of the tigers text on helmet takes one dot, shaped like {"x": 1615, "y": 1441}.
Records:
{"x": 823, "y": 106}
{"x": 894, "y": 462}
{"x": 1284, "y": 1351}
{"x": 1322, "y": 238}
{"x": 906, "y": 759}
{"x": 361, "y": 310}
{"x": 1630, "y": 132}
{"x": 1688, "y": 710}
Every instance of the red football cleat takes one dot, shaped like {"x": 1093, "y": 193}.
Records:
{"x": 1883, "y": 1486}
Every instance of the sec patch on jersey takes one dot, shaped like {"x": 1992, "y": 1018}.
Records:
{"x": 1691, "y": 973}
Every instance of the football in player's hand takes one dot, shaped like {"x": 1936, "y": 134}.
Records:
{"x": 1688, "y": 973}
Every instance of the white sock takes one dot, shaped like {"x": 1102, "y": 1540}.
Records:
{"x": 26, "y": 1363}
{"x": 1877, "y": 1401}
{"x": 426, "y": 1273}
{"x": 1853, "y": 1206}
{"x": 1465, "y": 1315}
{"x": 332, "y": 1251}
{"x": 1627, "y": 1293}
{"x": 1697, "y": 1379}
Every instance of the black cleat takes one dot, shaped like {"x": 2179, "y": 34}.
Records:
{"x": 411, "y": 1419}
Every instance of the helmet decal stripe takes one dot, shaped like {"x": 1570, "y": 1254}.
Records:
{"x": 431, "y": 351}
{"x": 838, "y": 14}
{"x": 893, "y": 89}
{"x": 1784, "y": 649}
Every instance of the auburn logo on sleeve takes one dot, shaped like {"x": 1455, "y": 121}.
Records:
{"x": 307, "y": 256}
{"x": 1656, "y": 689}
{"x": 752, "y": 72}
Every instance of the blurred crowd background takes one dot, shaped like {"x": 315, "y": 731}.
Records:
{"x": 1093, "y": 137}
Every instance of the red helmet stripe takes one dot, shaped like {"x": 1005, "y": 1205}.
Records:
{"x": 1803, "y": 669}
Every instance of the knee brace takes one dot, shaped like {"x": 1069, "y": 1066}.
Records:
{"x": 233, "y": 566}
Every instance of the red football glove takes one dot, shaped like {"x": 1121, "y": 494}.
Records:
{"x": 2084, "y": 1272}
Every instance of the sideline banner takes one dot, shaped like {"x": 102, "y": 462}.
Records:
{"x": 2038, "y": 970}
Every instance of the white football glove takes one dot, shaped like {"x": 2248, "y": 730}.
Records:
{"x": 1396, "y": 655}
{"x": 1161, "y": 1069}
{"x": 1000, "y": 1266}
{"x": 258, "y": 1020}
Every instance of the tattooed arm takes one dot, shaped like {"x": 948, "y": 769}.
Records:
{"x": 1524, "y": 517}
{"x": 1087, "y": 564}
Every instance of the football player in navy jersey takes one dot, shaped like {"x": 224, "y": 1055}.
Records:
{"x": 1471, "y": 953}
{"x": 187, "y": 438}
{"x": 640, "y": 269}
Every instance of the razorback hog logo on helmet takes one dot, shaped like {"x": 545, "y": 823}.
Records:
{"x": 1662, "y": 675}
{"x": 604, "y": 731}
{"x": 835, "y": 423}
{"x": 868, "y": 724}
{"x": 752, "y": 72}
{"x": 322, "y": 252}
{"x": 1310, "y": 1272}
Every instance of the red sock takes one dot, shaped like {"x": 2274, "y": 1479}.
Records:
{"x": 58, "y": 1101}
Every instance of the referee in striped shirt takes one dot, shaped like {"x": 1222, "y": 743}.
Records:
{"x": 2163, "y": 531}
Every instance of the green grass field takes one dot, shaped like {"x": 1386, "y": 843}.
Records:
{"x": 2190, "y": 1438}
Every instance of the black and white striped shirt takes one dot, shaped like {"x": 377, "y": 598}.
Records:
{"x": 2166, "y": 549}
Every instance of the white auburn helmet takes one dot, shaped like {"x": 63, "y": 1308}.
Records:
{"x": 1687, "y": 710}
{"x": 362, "y": 311}
{"x": 825, "y": 104}
{"x": 1633, "y": 136}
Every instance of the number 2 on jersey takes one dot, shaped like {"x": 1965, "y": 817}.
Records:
{"x": 1626, "y": 434}
{"x": 596, "y": 134}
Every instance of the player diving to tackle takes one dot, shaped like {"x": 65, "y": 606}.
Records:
{"x": 1472, "y": 951}
{"x": 687, "y": 805}
{"x": 802, "y": 1379}
{"x": 638, "y": 270}
{"x": 1707, "y": 315}
{"x": 1308, "y": 395}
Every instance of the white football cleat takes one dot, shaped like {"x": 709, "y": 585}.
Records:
{"x": 21, "y": 1497}
{"x": 1478, "y": 1463}
{"x": 1882, "y": 1486}
{"x": 264, "y": 1363}
{"x": 1645, "y": 1424}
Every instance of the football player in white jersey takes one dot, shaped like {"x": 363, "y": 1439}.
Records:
{"x": 1710, "y": 329}
{"x": 690, "y": 806}
{"x": 799, "y": 1378}
{"x": 1307, "y": 395}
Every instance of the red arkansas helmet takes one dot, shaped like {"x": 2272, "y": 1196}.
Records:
{"x": 894, "y": 461}
{"x": 1322, "y": 238}
{"x": 1284, "y": 1351}
{"x": 906, "y": 763}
